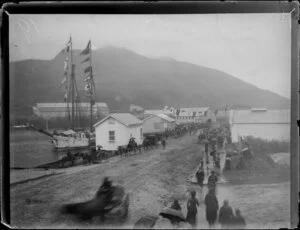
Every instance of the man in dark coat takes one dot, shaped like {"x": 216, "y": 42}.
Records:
{"x": 212, "y": 206}
{"x": 225, "y": 215}
{"x": 238, "y": 220}
{"x": 212, "y": 181}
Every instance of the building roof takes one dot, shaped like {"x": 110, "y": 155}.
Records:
{"x": 58, "y": 107}
{"x": 64, "y": 105}
{"x": 260, "y": 116}
{"x": 124, "y": 118}
{"x": 157, "y": 111}
{"x": 162, "y": 116}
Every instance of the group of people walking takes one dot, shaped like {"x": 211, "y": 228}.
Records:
{"x": 225, "y": 215}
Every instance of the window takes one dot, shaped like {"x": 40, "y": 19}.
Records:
{"x": 111, "y": 136}
{"x": 141, "y": 133}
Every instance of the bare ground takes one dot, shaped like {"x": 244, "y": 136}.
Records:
{"x": 152, "y": 179}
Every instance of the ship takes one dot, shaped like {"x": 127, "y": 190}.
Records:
{"x": 75, "y": 137}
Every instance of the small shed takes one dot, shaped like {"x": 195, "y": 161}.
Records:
{"x": 158, "y": 123}
{"x": 116, "y": 129}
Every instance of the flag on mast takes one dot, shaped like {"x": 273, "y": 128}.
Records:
{"x": 68, "y": 45}
{"x": 87, "y": 49}
{"x": 87, "y": 87}
{"x": 85, "y": 60}
{"x": 88, "y": 69}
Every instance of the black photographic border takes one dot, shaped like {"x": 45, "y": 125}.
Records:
{"x": 152, "y": 7}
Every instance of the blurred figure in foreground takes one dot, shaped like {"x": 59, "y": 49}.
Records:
{"x": 225, "y": 215}
{"x": 212, "y": 206}
{"x": 109, "y": 200}
{"x": 192, "y": 204}
{"x": 238, "y": 220}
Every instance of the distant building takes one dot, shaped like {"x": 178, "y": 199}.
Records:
{"x": 196, "y": 114}
{"x": 169, "y": 111}
{"x": 56, "y": 110}
{"x": 116, "y": 129}
{"x": 137, "y": 111}
{"x": 157, "y": 123}
{"x": 260, "y": 123}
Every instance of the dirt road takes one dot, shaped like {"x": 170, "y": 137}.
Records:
{"x": 153, "y": 179}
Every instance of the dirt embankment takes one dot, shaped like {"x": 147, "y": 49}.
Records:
{"x": 261, "y": 170}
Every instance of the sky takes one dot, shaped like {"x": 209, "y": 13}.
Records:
{"x": 255, "y": 48}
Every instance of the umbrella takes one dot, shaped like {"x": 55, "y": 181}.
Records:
{"x": 172, "y": 214}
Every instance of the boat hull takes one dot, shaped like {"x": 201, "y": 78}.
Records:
{"x": 65, "y": 142}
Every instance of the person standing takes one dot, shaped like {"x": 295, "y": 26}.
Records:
{"x": 212, "y": 206}
{"x": 202, "y": 162}
{"x": 225, "y": 215}
{"x": 200, "y": 176}
{"x": 212, "y": 181}
{"x": 163, "y": 143}
{"x": 192, "y": 204}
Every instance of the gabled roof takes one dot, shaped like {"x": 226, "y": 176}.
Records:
{"x": 162, "y": 116}
{"x": 260, "y": 116}
{"x": 126, "y": 119}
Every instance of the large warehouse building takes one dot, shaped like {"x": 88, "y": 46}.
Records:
{"x": 55, "y": 110}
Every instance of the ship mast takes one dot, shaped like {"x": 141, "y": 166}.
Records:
{"x": 91, "y": 115}
{"x": 72, "y": 87}
{"x": 71, "y": 94}
{"x": 90, "y": 86}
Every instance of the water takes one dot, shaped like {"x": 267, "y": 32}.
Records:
{"x": 30, "y": 148}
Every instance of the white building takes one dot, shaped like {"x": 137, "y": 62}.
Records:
{"x": 169, "y": 111}
{"x": 197, "y": 114}
{"x": 158, "y": 123}
{"x": 260, "y": 123}
{"x": 116, "y": 129}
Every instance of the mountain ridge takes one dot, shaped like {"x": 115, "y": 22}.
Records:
{"x": 123, "y": 77}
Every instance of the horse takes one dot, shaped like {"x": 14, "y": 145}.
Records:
{"x": 132, "y": 145}
{"x": 67, "y": 158}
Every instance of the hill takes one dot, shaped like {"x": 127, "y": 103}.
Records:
{"x": 123, "y": 77}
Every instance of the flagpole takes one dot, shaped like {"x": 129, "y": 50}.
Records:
{"x": 91, "y": 119}
{"x": 72, "y": 83}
